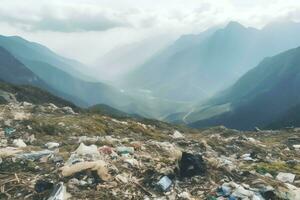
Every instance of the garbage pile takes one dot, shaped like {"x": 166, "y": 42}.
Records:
{"x": 53, "y": 153}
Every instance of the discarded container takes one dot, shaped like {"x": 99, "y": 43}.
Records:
{"x": 164, "y": 183}
{"x": 191, "y": 165}
{"x": 35, "y": 155}
{"x": 285, "y": 177}
{"x": 125, "y": 150}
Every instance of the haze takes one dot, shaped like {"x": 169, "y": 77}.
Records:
{"x": 89, "y": 30}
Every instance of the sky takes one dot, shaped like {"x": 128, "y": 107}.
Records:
{"x": 87, "y": 29}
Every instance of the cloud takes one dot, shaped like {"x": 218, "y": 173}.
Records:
{"x": 62, "y": 18}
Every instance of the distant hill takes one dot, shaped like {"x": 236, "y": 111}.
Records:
{"x": 265, "y": 94}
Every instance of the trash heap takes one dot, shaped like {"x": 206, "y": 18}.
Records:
{"x": 53, "y": 153}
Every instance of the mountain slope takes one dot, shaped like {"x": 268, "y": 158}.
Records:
{"x": 30, "y": 51}
{"x": 30, "y": 94}
{"x": 13, "y": 71}
{"x": 261, "y": 96}
{"x": 291, "y": 118}
{"x": 57, "y": 73}
{"x": 117, "y": 62}
{"x": 195, "y": 69}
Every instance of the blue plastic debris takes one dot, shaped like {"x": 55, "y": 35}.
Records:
{"x": 9, "y": 131}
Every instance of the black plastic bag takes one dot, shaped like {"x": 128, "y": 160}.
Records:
{"x": 191, "y": 165}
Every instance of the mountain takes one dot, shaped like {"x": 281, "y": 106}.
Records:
{"x": 27, "y": 51}
{"x": 13, "y": 71}
{"x": 196, "y": 67}
{"x": 58, "y": 74}
{"x": 291, "y": 118}
{"x": 118, "y": 61}
{"x": 263, "y": 95}
{"x": 59, "y": 81}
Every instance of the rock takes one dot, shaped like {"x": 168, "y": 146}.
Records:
{"x": 19, "y": 143}
{"x": 285, "y": 177}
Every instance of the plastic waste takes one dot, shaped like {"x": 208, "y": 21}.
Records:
{"x": 35, "y": 155}
{"x": 52, "y": 145}
{"x": 191, "y": 165}
{"x": 122, "y": 178}
{"x": 19, "y": 143}
{"x": 106, "y": 150}
{"x": 241, "y": 192}
{"x": 87, "y": 150}
{"x": 99, "y": 166}
{"x": 285, "y": 177}
{"x": 184, "y": 195}
{"x": 58, "y": 192}
{"x": 177, "y": 135}
{"x": 224, "y": 190}
{"x": 164, "y": 183}
{"x": 9, "y": 151}
{"x": 125, "y": 150}
{"x": 42, "y": 186}
{"x": 9, "y": 131}
{"x": 132, "y": 162}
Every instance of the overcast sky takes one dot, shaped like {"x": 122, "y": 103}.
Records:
{"x": 86, "y": 29}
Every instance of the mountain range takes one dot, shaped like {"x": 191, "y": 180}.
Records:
{"x": 43, "y": 68}
{"x": 200, "y": 80}
{"x": 196, "y": 67}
